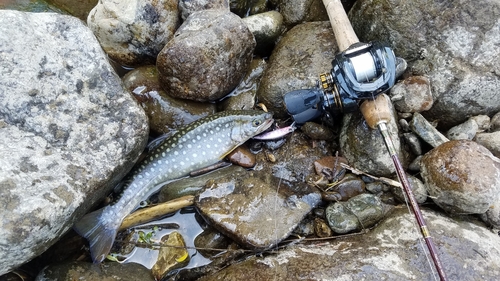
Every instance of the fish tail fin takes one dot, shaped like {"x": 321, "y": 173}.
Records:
{"x": 100, "y": 235}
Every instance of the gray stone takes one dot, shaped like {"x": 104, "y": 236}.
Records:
{"x": 187, "y": 7}
{"x": 69, "y": 130}
{"x": 300, "y": 11}
{"x": 364, "y": 147}
{"x": 462, "y": 177}
{"x": 483, "y": 122}
{"x": 495, "y": 123}
{"x": 420, "y": 126}
{"x": 391, "y": 251}
{"x": 464, "y": 131}
{"x": 208, "y": 56}
{"x": 417, "y": 187}
{"x": 134, "y": 32}
{"x": 413, "y": 94}
{"x": 265, "y": 27}
{"x": 491, "y": 141}
{"x": 413, "y": 142}
{"x": 359, "y": 212}
{"x": 256, "y": 209}
{"x": 453, "y": 43}
{"x": 300, "y": 56}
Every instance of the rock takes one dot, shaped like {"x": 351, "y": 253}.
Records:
{"x": 211, "y": 239}
{"x": 317, "y": 131}
{"x": 69, "y": 130}
{"x": 453, "y": 44}
{"x": 495, "y": 123}
{"x": 420, "y": 126}
{"x": 375, "y": 187}
{"x": 413, "y": 142}
{"x": 464, "y": 131}
{"x": 321, "y": 228}
{"x": 359, "y": 212}
{"x": 364, "y": 147}
{"x": 334, "y": 171}
{"x": 413, "y": 94}
{"x": 187, "y": 7}
{"x": 165, "y": 114}
{"x": 391, "y": 251}
{"x": 344, "y": 189}
{"x": 243, "y": 96}
{"x": 134, "y": 32}
{"x": 31, "y": 6}
{"x": 462, "y": 177}
{"x": 208, "y": 56}
{"x": 417, "y": 187}
{"x": 415, "y": 164}
{"x": 265, "y": 27}
{"x": 300, "y": 11}
{"x": 172, "y": 256}
{"x": 483, "y": 122}
{"x": 491, "y": 141}
{"x": 79, "y": 9}
{"x": 300, "y": 56}
{"x": 256, "y": 209}
{"x": 243, "y": 157}
{"x": 87, "y": 272}
{"x": 492, "y": 216}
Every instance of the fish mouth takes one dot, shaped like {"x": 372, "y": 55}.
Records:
{"x": 267, "y": 124}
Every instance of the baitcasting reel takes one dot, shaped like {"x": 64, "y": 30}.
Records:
{"x": 363, "y": 71}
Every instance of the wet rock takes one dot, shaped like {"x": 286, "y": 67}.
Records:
{"x": 299, "y": 11}
{"x": 420, "y": 126}
{"x": 462, "y": 177}
{"x": 134, "y": 32}
{"x": 346, "y": 188}
{"x": 415, "y": 164}
{"x": 243, "y": 157}
{"x": 321, "y": 228}
{"x": 317, "y": 131}
{"x": 211, "y": 239}
{"x": 208, "y": 56}
{"x": 301, "y": 55}
{"x": 305, "y": 228}
{"x": 187, "y": 7}
{"x": 453, "y": 44}
{"x": 464, "y": 131}
{"x": 417, "y": 187}
{"x": 413, "y": 142}
{"x": 375, "y": 187}
{"x": 413, "y": 94}
{"x": 243, "y": 96}
{"x": 495, "y": 123}
{"x": 331, "y": 164}
{"x": 165, "y": 114}
{"x": 31, "y": 6}
{"x": 89, "y": 272}
{"x": 265, "y": 27}
{"x": 69, "y": 130}
{"x": 360, "y": 212}
{"x": 171, "y": 256}
{"x": 491, "y": 141}
{"x": 256, "y": 209}
{"x": 391, "y": 251}
{"x": 193, "y": 185}
{"x": 364, "y": 147}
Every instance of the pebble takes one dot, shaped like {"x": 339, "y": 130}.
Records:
{"x": 462, "y": 177}
{"x": 350, "y": 186}
{"x": 321, "y": 228}
{"x": 172, "y": 256}
{"x": 359, "y": 212}
{"x": 317, "y": 131}
{"x": 242, "y": 156}
{"x": 491, "y": 141}
{"x": 265, "y": 27}
{"x": 483, "y": 122}
{"x": 420, "y": 126}
{"x": 464, "y": 131}
{"x": 187, "y": 7}
{"x": 413, "y": 94}
{"x": 413, "y": 142}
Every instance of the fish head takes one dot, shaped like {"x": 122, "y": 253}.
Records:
{"x": 250, "y": 124}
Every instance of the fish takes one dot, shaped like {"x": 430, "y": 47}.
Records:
{"x": 200, "y": 144}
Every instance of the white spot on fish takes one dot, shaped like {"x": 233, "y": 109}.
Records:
{"x": 176, "y": 152}
{"x": 197, "y": 137}
{"x": 195, "y": 155}
{"x": 208, "y": 146}
{"x": 189, "y": 145}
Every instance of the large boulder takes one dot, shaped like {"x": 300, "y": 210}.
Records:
{"x": 454, "y": 43}
{"x": 68, "y": 130}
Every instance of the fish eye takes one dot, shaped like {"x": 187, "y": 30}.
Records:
{"x": 257, "y": 122}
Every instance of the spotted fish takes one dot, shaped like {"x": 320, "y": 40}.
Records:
{"x": 200, "y": 144}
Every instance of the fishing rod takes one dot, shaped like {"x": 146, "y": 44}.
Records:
{"x": 360, "y": 73}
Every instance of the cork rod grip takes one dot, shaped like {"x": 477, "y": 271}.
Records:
{"x": 376, "y": 111}
{"x": 344, "y": 34}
